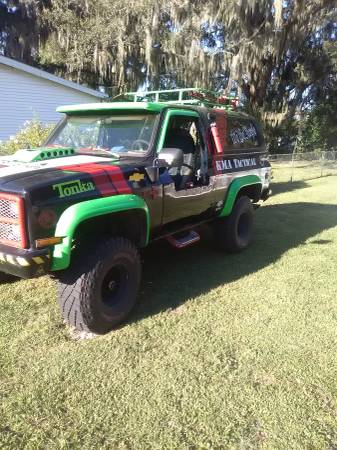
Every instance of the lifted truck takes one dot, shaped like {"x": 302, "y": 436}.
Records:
{"x": 112, "y": 178}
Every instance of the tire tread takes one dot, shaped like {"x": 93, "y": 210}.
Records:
{"x": 76, "y": 284}
{"x": 225, "y": 232}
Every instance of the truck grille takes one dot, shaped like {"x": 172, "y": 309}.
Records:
{"x": 12, "y": 230}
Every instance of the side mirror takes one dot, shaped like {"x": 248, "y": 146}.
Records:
{"x": 174, "y": 157}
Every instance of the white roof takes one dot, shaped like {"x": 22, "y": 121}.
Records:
{"x": 47, "y": 76}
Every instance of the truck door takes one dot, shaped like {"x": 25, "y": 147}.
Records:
{"x": 186, "y": 189}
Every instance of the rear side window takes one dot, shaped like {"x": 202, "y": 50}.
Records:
{"x": 242, "y": 133}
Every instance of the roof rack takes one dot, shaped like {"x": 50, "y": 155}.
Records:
{"x": 187, "y": 96}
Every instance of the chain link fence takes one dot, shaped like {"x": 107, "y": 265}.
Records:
{"x": 303, "y": 166}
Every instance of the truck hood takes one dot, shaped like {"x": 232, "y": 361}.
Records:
{"x": 52, "y": 182}
{"x": 38, "y": 169}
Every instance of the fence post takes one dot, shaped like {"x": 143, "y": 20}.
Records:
{"x": 292, "y": 166}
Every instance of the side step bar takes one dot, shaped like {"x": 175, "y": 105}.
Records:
{"x": 181, "y": 240}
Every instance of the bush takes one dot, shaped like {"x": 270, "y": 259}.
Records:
{"x": 33, "y": 134}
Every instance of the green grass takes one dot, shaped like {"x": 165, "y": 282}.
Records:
{"x": 222, "y": 351}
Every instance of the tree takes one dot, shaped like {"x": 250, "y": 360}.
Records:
{"x": 278, "y": 54}
{"x": 20, "y": 33}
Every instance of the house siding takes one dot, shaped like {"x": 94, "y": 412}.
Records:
{"x": 24, "y": 96}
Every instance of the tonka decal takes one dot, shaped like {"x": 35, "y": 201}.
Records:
{"x": 74, "y": 187}
{"x": 109, "y": 180}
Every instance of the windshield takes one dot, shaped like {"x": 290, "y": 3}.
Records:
{"x": 117, "y": 134}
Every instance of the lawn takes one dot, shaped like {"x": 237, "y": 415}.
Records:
{"x": 223, "y": 351}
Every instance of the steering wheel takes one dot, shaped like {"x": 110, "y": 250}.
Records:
{"x": 137, "y": 144}
{"x": 126, "y": 143}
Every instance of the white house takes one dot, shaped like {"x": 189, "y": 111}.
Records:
{"x": 27, "y": 93}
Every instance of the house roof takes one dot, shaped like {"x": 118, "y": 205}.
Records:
{"x": 47, "y": 76}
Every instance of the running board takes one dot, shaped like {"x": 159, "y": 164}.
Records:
{"x": 180, "y": 240}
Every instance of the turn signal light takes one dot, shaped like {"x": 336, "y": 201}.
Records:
{"x": 41, "y": 243}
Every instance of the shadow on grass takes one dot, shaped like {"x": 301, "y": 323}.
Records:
{"x": 288, "y": 186}
{"x": 171, "y": 277}
{"x": 321, "y": 241}
{"x": 6, "y": 278}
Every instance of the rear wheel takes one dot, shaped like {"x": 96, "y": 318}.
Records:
{"x": 234, "y": 233}
{"x": 100, "y": 289}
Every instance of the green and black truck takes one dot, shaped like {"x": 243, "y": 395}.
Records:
{"x": 115, "y": 176}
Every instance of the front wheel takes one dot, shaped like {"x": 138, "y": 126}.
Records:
{"x": 100, "y": 289}
{"x": 234, "y": 233}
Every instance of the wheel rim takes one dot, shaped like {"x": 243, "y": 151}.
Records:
{"x": 244, "y": 227}
{"x": 113, "y": 285}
